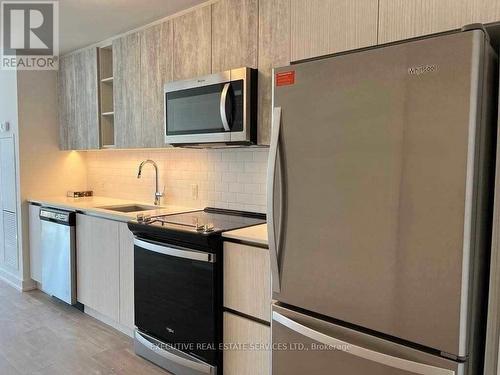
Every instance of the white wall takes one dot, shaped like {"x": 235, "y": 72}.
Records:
{"x": 43, "y": 170}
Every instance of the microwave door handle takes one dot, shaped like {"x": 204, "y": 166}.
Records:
{"x": 223, "y": 100}
{"x": 271, "y": 195}
{"x": 360, "y": 352}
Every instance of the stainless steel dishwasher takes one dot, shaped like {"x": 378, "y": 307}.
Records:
{"x": 58, "y": 254}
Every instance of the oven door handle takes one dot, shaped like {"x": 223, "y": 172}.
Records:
{"x": 180, "y": 358}
{"x": 175, "y": 252}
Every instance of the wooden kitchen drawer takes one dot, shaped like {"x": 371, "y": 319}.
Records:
{"x": 246, "y": 346}
{"x": 247, "y": 280}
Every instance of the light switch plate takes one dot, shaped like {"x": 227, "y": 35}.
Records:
{"x": 4, "y": 127}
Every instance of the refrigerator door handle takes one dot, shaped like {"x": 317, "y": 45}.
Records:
{"x": 358, "y": 351}
{"x": 271, "y": 171}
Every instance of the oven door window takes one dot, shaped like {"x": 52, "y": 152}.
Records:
{"x": 175, "y": 301}
{"x": 207, "y": 109}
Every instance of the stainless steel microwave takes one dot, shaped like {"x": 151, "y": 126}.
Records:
{"x": 215, "y": 109}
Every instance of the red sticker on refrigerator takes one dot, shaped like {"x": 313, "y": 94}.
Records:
{"x": 285, "y": 78}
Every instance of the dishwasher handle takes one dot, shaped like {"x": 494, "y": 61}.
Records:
{"x": 58, "y": 216}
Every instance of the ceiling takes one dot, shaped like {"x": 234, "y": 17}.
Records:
{"x": 84, "y": 22}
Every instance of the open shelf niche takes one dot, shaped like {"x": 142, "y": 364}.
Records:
{"x": 106, "y": 107}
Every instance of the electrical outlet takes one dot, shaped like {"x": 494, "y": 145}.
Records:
{"x": 194, "y": 191}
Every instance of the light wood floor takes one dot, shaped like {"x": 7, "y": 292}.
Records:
{"x": 40, "y": 336}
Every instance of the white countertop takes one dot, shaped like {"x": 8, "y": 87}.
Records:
{"x": 256, "y": 234}
{"x": 90, "y": 206}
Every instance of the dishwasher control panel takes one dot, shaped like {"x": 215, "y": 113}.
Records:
{"x": 59, "y": 216}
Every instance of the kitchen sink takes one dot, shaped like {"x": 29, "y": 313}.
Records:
{"x": 129, "y": 208}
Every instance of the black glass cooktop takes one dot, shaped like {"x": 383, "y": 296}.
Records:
{"x": 209, "y": 220}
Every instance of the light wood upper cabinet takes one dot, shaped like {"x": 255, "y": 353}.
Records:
{"x": 192, "y": 44}
{"x": 66, "y": 109}
{"x": 320, "y": 27}
{"x": 234, "y": 34}
{"x": 402, "y": 19}
{"x": 98, "y": 265}
{"x": 156, "y": 70}
{"x": 274, "y": 51}
{"x": 87, "y": 99}
{"x": 78, "y": 101}
{"x": 127, "y": 94}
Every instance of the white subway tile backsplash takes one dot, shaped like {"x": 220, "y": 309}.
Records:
{"x": 251, "y": 188}
{"x": 229, "y": 178}
{"x": 244, "y": 198}
{"x": 235, "y": 187}
{"x": 229, "y": 197}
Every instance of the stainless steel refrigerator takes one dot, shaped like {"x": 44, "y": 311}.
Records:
{"x": 379, "y": 218}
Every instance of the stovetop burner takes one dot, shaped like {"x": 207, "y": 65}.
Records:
{"x": 206, "y": 221}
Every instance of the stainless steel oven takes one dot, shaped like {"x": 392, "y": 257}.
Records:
{"x": 218, "y": 108}
{"x": 177, "y": 313}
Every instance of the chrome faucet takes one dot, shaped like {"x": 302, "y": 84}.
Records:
{"x": 158, "y": 194}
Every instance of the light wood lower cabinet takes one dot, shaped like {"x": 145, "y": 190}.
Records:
{"x": 247, "y": 280}
{"x": 105, "y": 268}
{"x": 247, "y": 290}
{"x": 98, "y": 272}
{"x": 246, "y": 346}
{"x": 35, "y": 243}
{"x": 126, "y": 276}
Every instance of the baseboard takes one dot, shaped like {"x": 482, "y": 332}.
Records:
{"x": 108, "y": 321}
{"x": 15, "y": 282}
{"x": 29, "y": 285}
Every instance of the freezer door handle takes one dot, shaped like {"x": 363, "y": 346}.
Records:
{"x": 358, "y": 351}
{"x": 271, "y": 172}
